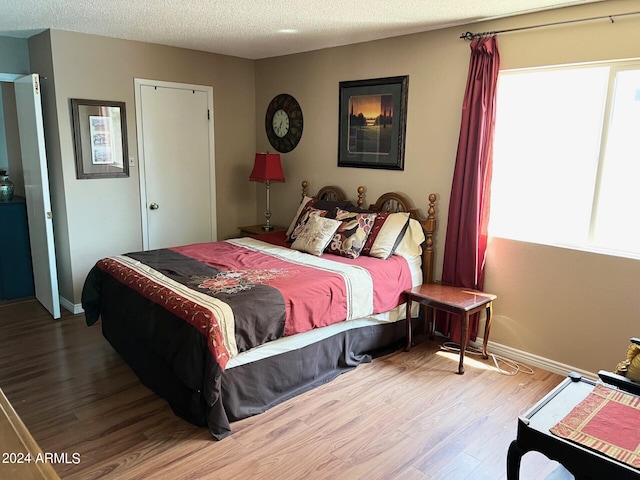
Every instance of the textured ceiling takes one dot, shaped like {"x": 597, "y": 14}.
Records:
{"x": 255, "y": 28}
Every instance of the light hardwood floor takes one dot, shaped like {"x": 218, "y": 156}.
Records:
{"x": 403, "y": 416}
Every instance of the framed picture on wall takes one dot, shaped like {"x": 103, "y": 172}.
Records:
{"x": 100, "y": 138}
{"x": 372, "y": 123}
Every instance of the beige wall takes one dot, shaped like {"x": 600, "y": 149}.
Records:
{"x": 94, "y": 218}
{"x": 570, "y": 307}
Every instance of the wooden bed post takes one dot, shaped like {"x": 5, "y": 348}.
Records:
{"x": 360, "y": 196}
{"x": 428, "y": 252}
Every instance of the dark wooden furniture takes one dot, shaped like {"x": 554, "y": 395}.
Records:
{"x": 456, "y": 300}
{"x": 21, "y": 455}
{"x": 257, "y": 230}
{"x": 534, "y": 435}
{"x": 16, "y": 274}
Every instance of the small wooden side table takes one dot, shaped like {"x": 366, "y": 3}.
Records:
{"x": 456, "y": 300}
{"x": 257, "y": 230}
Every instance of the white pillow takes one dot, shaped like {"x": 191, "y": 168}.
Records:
{"x": 294, "y": 222}
{"x": 316, "y": 235}
{"x": 411, "y": 243}
{"x": 389, "y": 236}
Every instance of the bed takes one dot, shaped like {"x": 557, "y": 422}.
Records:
{"x": 226, "y": 330}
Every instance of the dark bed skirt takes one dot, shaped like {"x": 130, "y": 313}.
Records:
{"x": 255, "y": 387}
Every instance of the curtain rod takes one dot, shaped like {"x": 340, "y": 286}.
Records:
{"x": 471, "y": 36}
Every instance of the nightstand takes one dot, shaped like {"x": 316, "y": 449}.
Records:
{"x": 257, "y": 230}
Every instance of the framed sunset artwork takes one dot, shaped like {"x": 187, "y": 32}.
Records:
{"x": 372, "y": 123}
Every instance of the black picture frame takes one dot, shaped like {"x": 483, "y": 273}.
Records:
{"x": 100, "y": 138}
{"x": 373, "y": 123}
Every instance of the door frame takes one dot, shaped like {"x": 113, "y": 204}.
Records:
{"x": 139, "y": 83}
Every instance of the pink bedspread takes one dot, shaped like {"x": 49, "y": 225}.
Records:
{"x": 313, "y": 296}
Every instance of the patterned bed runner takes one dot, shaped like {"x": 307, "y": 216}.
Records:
{"x": 606, "y": 421}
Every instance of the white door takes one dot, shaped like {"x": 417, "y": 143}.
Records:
{"x": 36, "y": 185}
{"x": 175, "y": 137}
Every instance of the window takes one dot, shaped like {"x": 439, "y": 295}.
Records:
{"x": 566, "y": 165}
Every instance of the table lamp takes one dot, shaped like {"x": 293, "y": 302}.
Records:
{"x": 267, "y": 169}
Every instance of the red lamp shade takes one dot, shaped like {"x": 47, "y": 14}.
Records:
{"x": 267, "y": 168}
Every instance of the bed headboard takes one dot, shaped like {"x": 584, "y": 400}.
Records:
{"x": 330, "y": 193}
{"x": 395, "y": 202}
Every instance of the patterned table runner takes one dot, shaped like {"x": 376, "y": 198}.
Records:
{"x": 606, "y": 421}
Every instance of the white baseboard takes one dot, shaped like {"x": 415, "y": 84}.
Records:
{"x": 74, "y": 308}
{"x": 531, "y": 359}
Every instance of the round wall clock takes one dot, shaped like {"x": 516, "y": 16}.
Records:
{"x": 283, "y": 123}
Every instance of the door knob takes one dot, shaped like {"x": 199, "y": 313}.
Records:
{"x": 154, "y": 206}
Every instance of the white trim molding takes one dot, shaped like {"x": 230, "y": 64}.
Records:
{"x": 531, "y": 359}
{"x": 74, "y": 308}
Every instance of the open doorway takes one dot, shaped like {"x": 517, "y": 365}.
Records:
{"x": 10, "y": 156}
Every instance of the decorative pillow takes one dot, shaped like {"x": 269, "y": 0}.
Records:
{"x": 349, "y": 239}
{"x": 411, "y": 243}
{"x": 375, "y": 230}
{"x": 306, "y": 202}
{"x": 387, "y": 231}
{"x": 316, "y": 235}
{"x": 306, "y": 214}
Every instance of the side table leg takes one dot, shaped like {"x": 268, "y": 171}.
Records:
{"x": 408, "y": 315}
{"x": 514, "y": 457}
{"x": 487, "y": 329}
{"x": 464, "y": 324}
{"x": 431, "y": 312}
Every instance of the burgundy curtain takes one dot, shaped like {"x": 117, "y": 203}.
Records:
{"x": 466, "y": 240}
